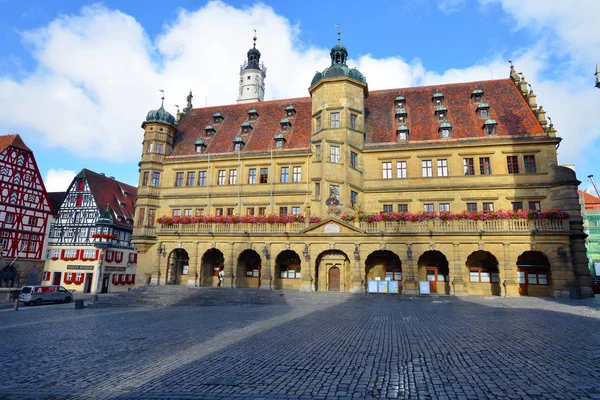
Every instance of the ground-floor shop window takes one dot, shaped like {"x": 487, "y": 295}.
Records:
{"x": 483, "y": 275}
{"x": 290, "y": 272}
{"x": 393, "y": 273}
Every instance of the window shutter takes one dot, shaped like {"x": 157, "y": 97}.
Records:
{"x": 97, "y": 254}
{"x": 62, "y": 254}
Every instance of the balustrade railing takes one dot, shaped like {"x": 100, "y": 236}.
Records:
{"x": 427, "y": 226}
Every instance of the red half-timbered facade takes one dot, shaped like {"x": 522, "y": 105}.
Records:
{"x": 24, "y": 212}
{"x": 89, "y": 246}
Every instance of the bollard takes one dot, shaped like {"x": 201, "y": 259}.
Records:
{"x": 94, "y": 298}
{"x": 78, "y": 304}
{"x": 16, "y": 306}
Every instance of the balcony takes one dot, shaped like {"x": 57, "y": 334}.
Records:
{"x": 242, "y": 228}
{"x": 427, "y": 226}
{"x": 151, "y": 191}
{"x": 144, "y": 231}
{"x": 466, "y": 225}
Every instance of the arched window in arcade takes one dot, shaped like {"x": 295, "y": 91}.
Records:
{"x": 383, "y": 264}
{"x": 178, "y": 267}
{"x": 533, "y": 270}
{"x": 484, "y": 276}
{"x": 288, "y": 262}
{"x": 249, "y": 269}
{"x": 433, "y": 267}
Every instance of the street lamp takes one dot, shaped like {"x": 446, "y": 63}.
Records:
{"x": 305, "y": 252}
{"x": 409, "y": 253}
{"x": 356, "y": 252}
{"x": 265, "y": 252}
{"x": 161, "y": 250}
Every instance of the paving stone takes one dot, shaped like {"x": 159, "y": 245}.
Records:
{"x": 350, "y": 347}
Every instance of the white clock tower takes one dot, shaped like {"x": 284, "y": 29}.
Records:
{"x": 252, "y": 78}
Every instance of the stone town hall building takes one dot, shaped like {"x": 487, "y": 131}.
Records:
{"x": 347, "y": 186}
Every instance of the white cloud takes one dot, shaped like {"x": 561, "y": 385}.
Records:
{"x": 450, "y": 6}
{"x": 98, "y": 72}
{"x": 58, "y": 180}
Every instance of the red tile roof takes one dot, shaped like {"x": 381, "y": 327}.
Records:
{"x": 590, "y": 201}
{"x": 507, "y": 107}
{"x": 108, "y": 191}
{"x": 12, "y": 140}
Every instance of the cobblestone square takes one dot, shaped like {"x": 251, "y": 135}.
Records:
{"x": 372, "y": 348}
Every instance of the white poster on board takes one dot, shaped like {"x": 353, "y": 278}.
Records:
{"x": 424, "y": 287}
{"x": 372, "y": 287}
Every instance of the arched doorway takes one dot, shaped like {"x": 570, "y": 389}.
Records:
{"x": 178, "y": 267}
{"x": 212, "y": 262}
{"x": 8, "y": 276}
{"x": 484, "y": 276}
{"x": 533, "y": 269}
{"x": 249, "y": 269}
{"x": 288, "y": 274}
{"x": 385, "y": 265}
{"x": 332, "y": 271}
{"x": 433, "y": 267}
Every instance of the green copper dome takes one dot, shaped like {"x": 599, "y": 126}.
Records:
{"x": 160, "y": 115}
{"x": 105, "y": 217}
{"x": 338, "y": 67}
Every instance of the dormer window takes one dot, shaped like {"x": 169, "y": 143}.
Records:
{"x": 401, "y": 115}
{"x": 285, "y": 125}
{"x": 209, "y": 130}
{"x": 290, "y": 111}
{"x": 217, "y": 117}
{"x": 238, "y": 143}
{"x": 437, "y": 98}
{"x": 441, "y": 112}
{"x": 445, "y": 130}
{"x": 402, "y": 133}
{"x": 246, "y": 127}
{"x": 252, "y": 114}
{"x": 200, "y": 146}
{"x": 477, "y": 95}
{"x": 483, "y": 110}
{"x": 489, "y": 127}
{"x": 279, "y": 141}
{"x": 399, "y": 102}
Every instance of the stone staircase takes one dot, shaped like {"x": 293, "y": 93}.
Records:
{"x": 169, "y": 296}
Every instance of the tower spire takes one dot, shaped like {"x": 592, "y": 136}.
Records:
{"x": 339, "y": 33}
{"x": 252, "y": 75}
{"x": 162, "y": 98}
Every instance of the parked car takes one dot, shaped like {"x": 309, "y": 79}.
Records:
{"x": 596, "y": 286}
{"x": 43, "y": 294}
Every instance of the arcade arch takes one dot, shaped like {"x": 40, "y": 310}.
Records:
{"x": 433, "y": 267}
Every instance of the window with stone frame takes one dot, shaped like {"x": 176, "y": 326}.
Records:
{"x": 388, "y": 208}
{"x": 232, "y": 176}
{"x": 444, "y": 207}
{"x": 179, "y": 179}
{"x": 468, "y": 166}
{"x": 442, "y": 167}
{"x": 145, "y": 178}
{"x": 386, "y": 168}
{"x": 512, "y": 163}
{"x": 485, "y": 167}
{"x": 202, "y": 178}
{"x": 252, "y": 176}
{"x": 353, "y": 159}
{"x": 517, "y": 205}
{"x": 334, "y": 154}
{"x": 283, "y": 210}
{"x": 401, "y": 169}
{"x": 334, "y": 120}
{"x": 488, "y": 206}
{"x": 353, "y": 119}
{"x": 428, "y": 207}
{"x": 191, "y": 178}
{"x": 264, "y": 175}
{"x": 472, "y": 207}
{"x": 402, "y": 207}
{"x": 427, "y": 169}
{"x": 529, "y": 162}
{"x": 353, "y": 198}
{"x": 221, "y": 177}
{"x": 297, "y": 174}
{"x": 155, "y": 179}
{"x": 535, "y": 205}
{"x": 285, "y": 175}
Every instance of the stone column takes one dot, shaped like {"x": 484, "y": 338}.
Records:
{"x": 459, "y": 285}
{"x": 410, "y": 284}
{"x": 229, "y": 268}
{"x": 508, "y": 274}
{"x": 357, "y": 277}
{"x": 307, "y": 273}
{"x": 266, "y": 276}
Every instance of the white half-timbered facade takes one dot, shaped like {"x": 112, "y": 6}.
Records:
{"x": 24, "y": 212}
{"x": 89, "y": 248}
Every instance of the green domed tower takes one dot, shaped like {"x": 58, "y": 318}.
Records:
{"x": 338, "y": 102}
{"x": 159, "y": 132}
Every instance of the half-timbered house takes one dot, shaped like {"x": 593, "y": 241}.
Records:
{"x": 89, "y": 248}
{"x": 24, "y": 212}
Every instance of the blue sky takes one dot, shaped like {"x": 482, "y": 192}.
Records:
{"x": 77, "y": 78}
